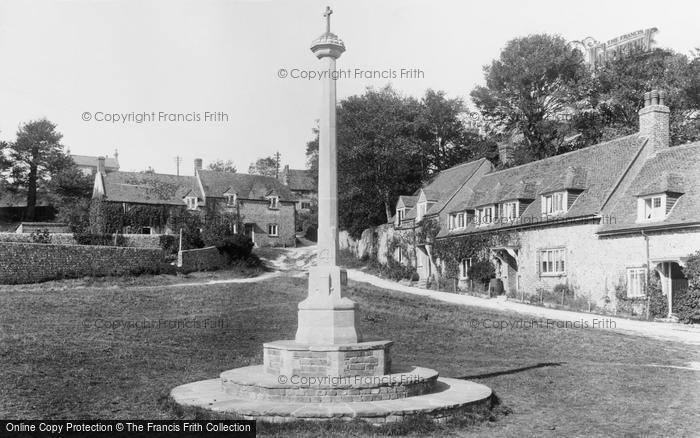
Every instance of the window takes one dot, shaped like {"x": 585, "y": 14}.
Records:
{"x": 306, "y": 206}
{"x": 274, "y": 201}
{"x": 399, "y": 255}
{"x": 231, "y": 199}
{"x": 460, "y": 220}
{"x": 553, "y": 261}
{"x": 636, "y": 282}
{"x": 422, "y": 208}
{"x": 400, "y": 214}
{"x": 451, "y": 221}
{"x": 554, "y": 203}
{"x": 191, "y": 202}
{"x": 485, "y": 215}
{"x": 272, "y": 230}
{"x": 510, "y": 210}
{"x": 464, "y": 266}
{"x": 651, "y": 208}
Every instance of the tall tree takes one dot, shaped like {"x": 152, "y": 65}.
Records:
{"x": 71, "y": 191}
{"x": 529, "y": 88}
{"x": 222, "y": 166}
{"x": 268, "y": 166}
{"x": 379, "y": 156}
{"x": 36, "y": 155}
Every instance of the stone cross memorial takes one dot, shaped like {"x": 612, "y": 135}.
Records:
{"x": 352, "y": 377}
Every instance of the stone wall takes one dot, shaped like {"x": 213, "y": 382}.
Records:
{"x": 130, "y": 240}
{"x": 32, "y": 262}
{"x": 375, "y": 242}
{"x": 202, "y": 259}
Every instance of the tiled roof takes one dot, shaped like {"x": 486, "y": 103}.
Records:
{"x": 149, "y": 188}
{"x": 676, "y": 169}
{"x": 446, "y": 183}
{"x": 606, "y": 161}
{"x": 89, "y": 161}
{"x": 408, "y": 201}
{"x": 246, "y": 186}
{"x": 299, "y": 179}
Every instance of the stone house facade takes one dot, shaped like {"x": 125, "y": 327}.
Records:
{"x": 599, "y": 218}
{"x": 302, "y": 186}
{"x": 264, "y": 208}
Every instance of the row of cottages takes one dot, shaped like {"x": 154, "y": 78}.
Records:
{"x": 302, "y": 186}
{"x": 265, "y": 207}
{"x": 597, "y": 218}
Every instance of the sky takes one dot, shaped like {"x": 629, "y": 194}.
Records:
{"x": 203, "y": 76}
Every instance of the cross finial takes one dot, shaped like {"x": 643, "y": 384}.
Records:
{"x": 327, "y": 14}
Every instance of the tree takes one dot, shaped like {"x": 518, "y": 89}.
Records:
{"x": 222, "y": 166}
{"x": 4, "y": 161}
{"x": 379, "y": 156}
{"x": 71, "y": 191}
{"x": 36, "y": 155}
{"x": 268, "y": 166}
{"x": 528, "y": 90}
{"x": 615, "y": 94}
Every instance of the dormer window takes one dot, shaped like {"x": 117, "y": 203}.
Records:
{"x": 510, "y": 210}
{"x": 191, "y": 202}
{"x": 485, "y": 215}
{"x": 651, "y": 208}
{"x": 457, "y": 221}
{"x": 274, "y": 202}
{"x": 231, "y": 200}
{"x": 553, "y": 203}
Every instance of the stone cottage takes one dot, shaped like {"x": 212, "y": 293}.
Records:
{"x": 265, "y": 208}
{"x": 606, "y": 216}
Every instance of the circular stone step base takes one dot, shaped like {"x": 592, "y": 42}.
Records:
{"x": 255, "y": 384}
{"x": 452, "y": 397}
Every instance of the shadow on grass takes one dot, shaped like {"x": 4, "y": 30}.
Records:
{"x": 513, "y": 371}
{"x": 419, "y": 424}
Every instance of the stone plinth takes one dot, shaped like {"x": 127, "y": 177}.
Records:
{"x": 289, "y": 358}
{"x": 450, "y": 398}
{"x": 255, "y": 384}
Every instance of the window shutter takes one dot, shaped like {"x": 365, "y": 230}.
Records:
{"x": 539, "y": 264}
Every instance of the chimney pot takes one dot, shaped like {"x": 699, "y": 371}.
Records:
{"x": 647, "y": 99}
{"x": 662, "y": 97}
{"x": 654, "y": 97}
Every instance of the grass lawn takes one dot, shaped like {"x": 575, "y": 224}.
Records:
{"x": 63, "y": 355}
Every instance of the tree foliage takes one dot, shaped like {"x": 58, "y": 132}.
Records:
{"x": 267, "y": 166}
{"x": 36, "y": 155}
{"x": 535, "y": 79}
{"x": 222, "y": 166}
{"x": 388, "y": 144}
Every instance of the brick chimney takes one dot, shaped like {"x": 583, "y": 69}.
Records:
{"x": 654, "y": 120}
{"x": 197, "y": 165}
{"x": 505, "y": 152}
{"x": 101, "y": 165}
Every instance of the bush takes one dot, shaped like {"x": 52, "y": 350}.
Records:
{"x": 312, "y": 233}
{"x": 686, "y": 305}
{"x": 235, "y": 247}
{"x": 482, "y": 271}
{"x": 169, "y": 243}
{"x": 41, "y": 236}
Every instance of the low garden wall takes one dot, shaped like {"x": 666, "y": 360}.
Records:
{"x": 202, "y": 259}
{"x": 35, "y": 262}
{"x": 129, "y": 240}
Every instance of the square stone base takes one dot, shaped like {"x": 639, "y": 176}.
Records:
{"x": 288, "y": 358}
